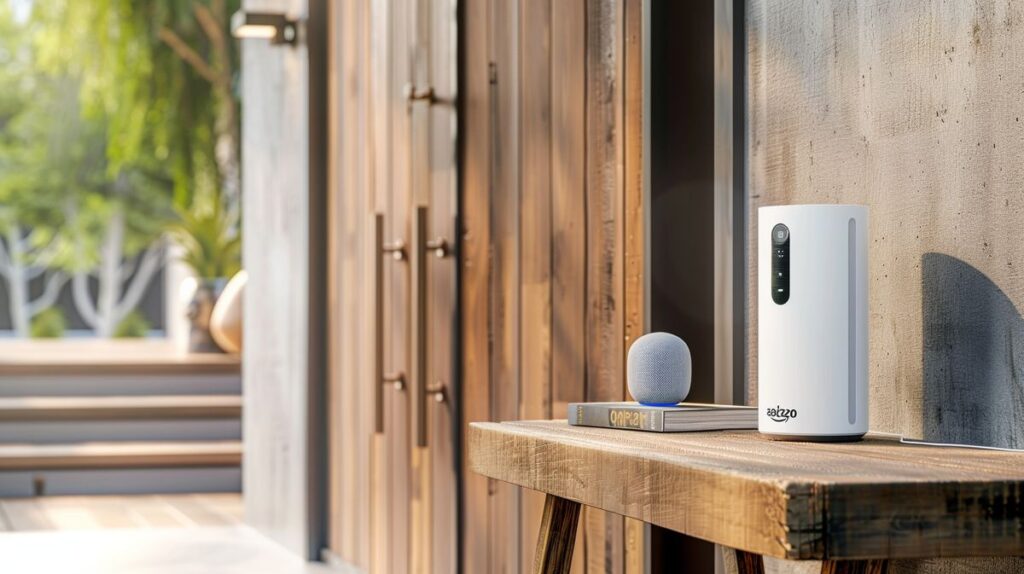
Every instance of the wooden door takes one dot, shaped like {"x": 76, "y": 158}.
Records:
{"x": 393, "y": 499}
{"x": 432, "y": 105}
{"x": 552, "y": 244}
{"x": 393, "y": 479}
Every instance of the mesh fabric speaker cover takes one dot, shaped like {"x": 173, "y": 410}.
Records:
{"x": 658, "y": 369}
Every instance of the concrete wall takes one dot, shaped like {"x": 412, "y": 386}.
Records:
{"x": 915, "y": 109}
{"x": 282, "y": 376}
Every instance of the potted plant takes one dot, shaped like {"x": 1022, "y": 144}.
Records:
{"x": 212, "y": 249}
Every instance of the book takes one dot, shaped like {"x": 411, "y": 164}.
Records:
{"x": 684, "y": 417}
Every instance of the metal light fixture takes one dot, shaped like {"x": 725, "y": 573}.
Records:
{"x": 277, "y": 28}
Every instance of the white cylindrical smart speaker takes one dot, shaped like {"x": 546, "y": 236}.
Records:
{"x": 812, "y": 333}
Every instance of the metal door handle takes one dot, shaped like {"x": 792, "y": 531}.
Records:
{"x": 396, "y": 380}
{"x": 425, "y": 94}
{"x": 378, "y": 322}
{"x": 420, "y": 246}
{"x": 437, "y": 391}
{"x": 440, "y": 247}
{"x": 396, "y": 248}
{"x": 419, "y": 318}
{"x": 414, "y": 94}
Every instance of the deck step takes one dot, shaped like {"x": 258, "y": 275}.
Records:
{"x": 121, "y": 455}
{"x": 22, "y": 483}
{"x": 79, "y": 431}
{"x": 112, "y": 417}
{"x": 112, "y": 368}
{"x": 101, "y": 357}
{"x": 120, "y": 408}
{"x": 89, "y": 384}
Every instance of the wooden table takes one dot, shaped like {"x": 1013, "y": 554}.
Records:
{"x": 853, "y": 505}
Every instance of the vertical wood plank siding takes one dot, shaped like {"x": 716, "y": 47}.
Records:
{"x": 475, "y": 151}
{"x": 350, "y": 394}
{"x": 552, "y": 189}
{"x": 603, "y": 532}
{"x": 535, "y": 237}
{"x": 380, "y": 139}
{"x": 635, "y": 237}
{"x": 396, "y": 191}
{"x": 505, "y": 308}
{"x": 393, "y": 505}
{"x": 551, "y": 249}
{"x": 568, "y": 213}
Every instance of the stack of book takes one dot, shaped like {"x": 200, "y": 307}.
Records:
{"x": 684, "y": 417}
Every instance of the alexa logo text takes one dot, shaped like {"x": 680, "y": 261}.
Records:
{"x": 781, "y": 415}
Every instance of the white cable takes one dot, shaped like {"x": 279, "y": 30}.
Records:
{"x": 921, "y": 442}
{"x": 906, "y": 440}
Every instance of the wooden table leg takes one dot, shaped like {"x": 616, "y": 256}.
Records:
{"x": 749, "y": 563}
{"x": 854, "y": 566}
{"x": 557, "y": 536}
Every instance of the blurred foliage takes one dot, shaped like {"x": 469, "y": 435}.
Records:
{"x": 159, "y": 113}
{"x": 133, "y": 326}
{"x": 97, "y": 113}
{"x": 117, "y": 108}
{"x": 49, "y": 324}
{"x": 206, "y": 232}
{"x": 27, "y": 112}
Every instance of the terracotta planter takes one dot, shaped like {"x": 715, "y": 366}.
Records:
{"x": 199, "y": 311}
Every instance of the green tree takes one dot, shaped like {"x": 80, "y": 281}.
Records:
{"x": 101, "y": 163}
{"x": 213, "y": 57}
{"x": 49, "y": 324}
{"x": 29, "y": 218}
{"x": 142, "y": 115}
{"x": 161, "y": 72}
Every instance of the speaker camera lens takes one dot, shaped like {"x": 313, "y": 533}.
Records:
{"x": 780, "y": 233}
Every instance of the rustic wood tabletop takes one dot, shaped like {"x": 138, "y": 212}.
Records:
{"x": 872, "y": 499}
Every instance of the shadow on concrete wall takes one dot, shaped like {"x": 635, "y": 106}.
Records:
{"x": 973, "y": 357}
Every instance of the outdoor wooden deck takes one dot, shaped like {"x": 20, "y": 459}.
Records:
{"x": 52, "y": 513}
{"x": 120, "y": 408}
{"x": 117, "y": 417}
{"x": 75, "y": 356}
{"x": 198, "y": 533}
